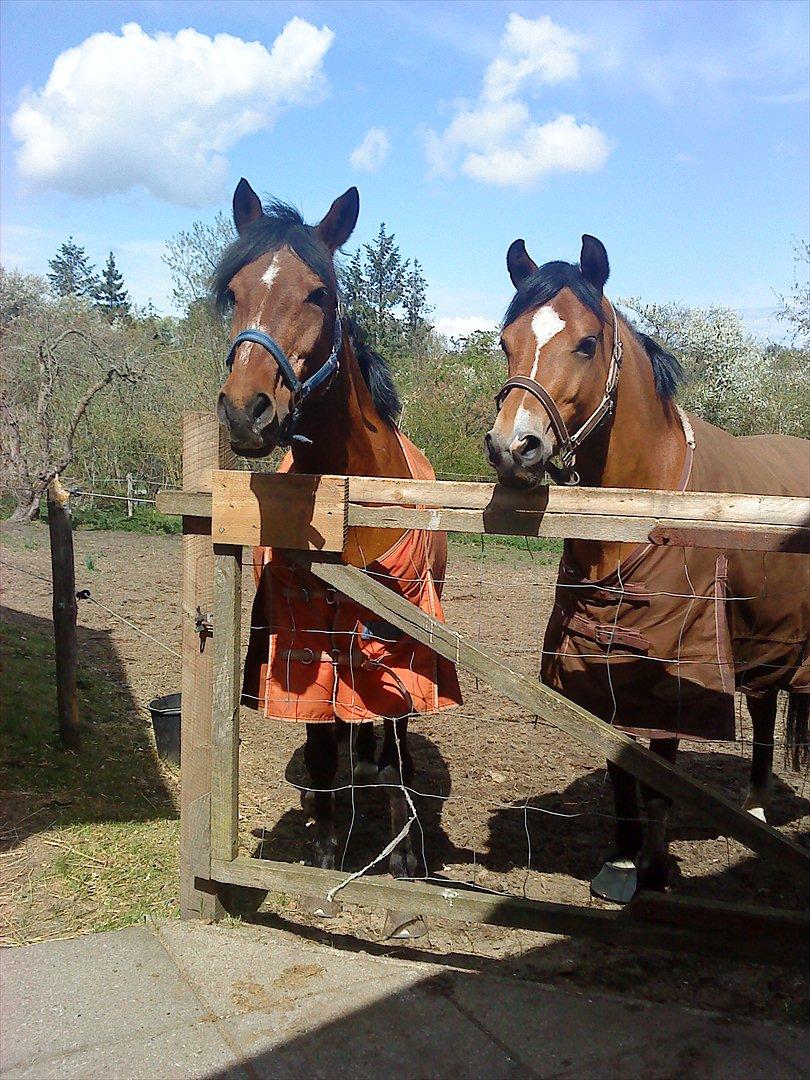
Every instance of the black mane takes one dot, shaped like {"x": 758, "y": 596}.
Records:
{"x": 548, "y": 280}
{"x": 377, "y": 374}
{"x": 283, "y": 225}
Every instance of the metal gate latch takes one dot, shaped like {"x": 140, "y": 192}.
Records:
{"x": 204, "y": 626}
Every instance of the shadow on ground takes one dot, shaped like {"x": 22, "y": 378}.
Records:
{"x": 114, "y": 777}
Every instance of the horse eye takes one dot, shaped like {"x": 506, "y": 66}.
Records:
{"x": 318, "y": 296}
{"x": 587, "y": 347}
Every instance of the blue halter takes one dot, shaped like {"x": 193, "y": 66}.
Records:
{"x": 300, "y": 391}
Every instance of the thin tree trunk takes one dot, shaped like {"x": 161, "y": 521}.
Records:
{"x": 64, "y": 612}
{"x": 27, "y": 508}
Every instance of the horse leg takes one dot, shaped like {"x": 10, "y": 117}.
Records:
{"x": 396, "y": 769}
{"x": 760, "y": 784}
{"x": 652, "y": 867}
{"x": 616, "y": 881}
{"x": 321, "y": 757}
{"x": 365, "y": 769}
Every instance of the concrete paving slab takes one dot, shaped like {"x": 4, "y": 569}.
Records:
{"x": 64, "y": 996}
{"x": 257, "y": 970}
{"x": 191, "y": 1052}
{"x": 582, "y": 1037}
{"x": 373, "y": 1030}
{"x": 226, "y": 1003}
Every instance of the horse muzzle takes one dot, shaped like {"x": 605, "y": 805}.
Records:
{"x": 253, "y": 429}
{"x": 519, "y": 459}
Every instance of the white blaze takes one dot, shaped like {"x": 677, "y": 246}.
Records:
{"x": 270, "y": 274}
{"x": 546, "y": 324}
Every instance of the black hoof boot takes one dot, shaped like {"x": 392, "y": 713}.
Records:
{"x": 616, "y": 881}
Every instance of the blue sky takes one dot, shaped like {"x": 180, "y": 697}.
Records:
{"x": 676, "y": 132}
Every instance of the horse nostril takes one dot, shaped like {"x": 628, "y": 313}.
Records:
{"x": 526, "y": 445}
{"x": 257, "y": 406}
{"x": 492, "y": 453}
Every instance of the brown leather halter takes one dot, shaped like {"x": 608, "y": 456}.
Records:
{"x": 564, "y": 473}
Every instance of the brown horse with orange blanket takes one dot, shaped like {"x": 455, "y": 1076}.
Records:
{"x": 652, "y": 639}
{"x": 301, "y": 376}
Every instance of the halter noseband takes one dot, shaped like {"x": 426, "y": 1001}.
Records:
{"x": 299, "y": 391}
{"x": 564, "y": 473}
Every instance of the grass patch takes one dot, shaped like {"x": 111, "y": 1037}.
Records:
{"x": 102, "y": 821}
{"x": 549, "y": 549}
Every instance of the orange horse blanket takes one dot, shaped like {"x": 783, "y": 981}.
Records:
{"x": 314, "y": 654}
{"x": 659, "y": 646}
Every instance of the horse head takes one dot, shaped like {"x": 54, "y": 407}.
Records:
{"x": 278, "y": 281}
{"x": 561, "y": 341}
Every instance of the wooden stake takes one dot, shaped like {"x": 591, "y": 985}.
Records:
{"x": 64, "y": 612}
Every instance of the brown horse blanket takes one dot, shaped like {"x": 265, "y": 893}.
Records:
{"x": 659, "y": 646}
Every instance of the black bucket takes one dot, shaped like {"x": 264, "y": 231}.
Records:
{"x": 166, "y": 724}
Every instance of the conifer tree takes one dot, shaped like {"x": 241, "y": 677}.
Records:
{"x": 111, "y": 296}
{"x": 72, "y": 273}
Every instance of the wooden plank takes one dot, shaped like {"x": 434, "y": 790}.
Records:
{"x": 541, "y": 701}
{"x": 186, "y": 503}
{"x": 205, "y": 447}
{"x": 591, "y": 526}
{"x": 690, "y": 519}
{"x": 63, "y": 576}
{"x": 612, "y": 502}
{"x": 450, "y": 901}
{"x": 225, "y": 703}
{"x": 287, "y": 510}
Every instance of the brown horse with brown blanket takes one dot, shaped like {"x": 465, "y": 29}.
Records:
{"x": 654, "y": 640}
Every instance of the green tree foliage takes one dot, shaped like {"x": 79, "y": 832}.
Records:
{"x": 20, "y": 294}
{"x": 72, "y": 273}
{"x": 732, "y": 379}
{"x": 417, "y": 310}
{"x": 192, "y": 256}
{"x": 111, "y": 296}
{"x": 794, "y": 307}
{"x": 387, "y": 294}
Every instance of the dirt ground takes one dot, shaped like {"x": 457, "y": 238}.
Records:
{"x": 506, "y": 802}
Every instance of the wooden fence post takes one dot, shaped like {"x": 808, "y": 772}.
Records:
{"x": 130, "y": 493}
{"x": 64, "y": 612}
{"x": 205, "y": 448}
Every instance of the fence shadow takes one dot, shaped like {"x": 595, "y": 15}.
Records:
{"x": 114, "y": 777}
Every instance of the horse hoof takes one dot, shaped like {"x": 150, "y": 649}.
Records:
{"x": 652, "y": 877}
{"x": 402, "y": 866}
{"x": 616, "y": 881}
{"x": 400, "y": 926}
{"x": 365, "y": 772}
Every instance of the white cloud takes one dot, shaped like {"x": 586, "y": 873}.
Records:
{"x": 495, "y": 139}
{"x": 462, "y": 326}
{"x": 160, "y": 111}
{"x": 370, "y": 154}
{"x": 531, "y": 51}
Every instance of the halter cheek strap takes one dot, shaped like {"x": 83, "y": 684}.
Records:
{"x": 300, "y": 391}
{"x": 564, "y": 473}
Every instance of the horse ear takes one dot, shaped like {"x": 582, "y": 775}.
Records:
{"x": 519, "y": 263}
{"x": 341, "y": 217}
{"x": 593, "y": 262}
{"x": 247, "y": 206}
